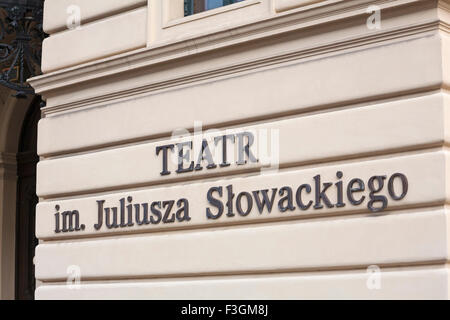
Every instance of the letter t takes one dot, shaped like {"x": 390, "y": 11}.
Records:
{"x": 165, "y": 150}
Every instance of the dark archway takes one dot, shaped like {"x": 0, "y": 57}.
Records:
{"x": 27, "y": 200}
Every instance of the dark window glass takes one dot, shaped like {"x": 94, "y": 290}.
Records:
{"x": 197, "y": 6}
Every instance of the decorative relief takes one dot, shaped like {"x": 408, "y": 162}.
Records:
{"x": 21, "y": 37}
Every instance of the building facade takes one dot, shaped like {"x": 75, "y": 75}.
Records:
{"x": 255, "y": 149}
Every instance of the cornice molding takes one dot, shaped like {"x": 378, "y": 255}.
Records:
{"x": 293, "y": 20}
{"x": 310, "y": 53}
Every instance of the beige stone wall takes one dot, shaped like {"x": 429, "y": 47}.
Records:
{"x": 83, "y": 30}
{"x": 331, "y": 93}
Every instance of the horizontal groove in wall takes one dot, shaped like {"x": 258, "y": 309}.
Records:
{"x": 424, "y": 173}
{"x": 298, "y": 141}
{"x": 424, "y": 282}
{"x": 212, "y": 179}
{"x": 340, "y": 271}
{"x": 266, "y": 119}
{"x": 344, "y": 215}
{"x": 309, "y": 272}
{"x": 96, "y": 40}
{"x": 388, "y": 240}
{"x": 420, "y": 149}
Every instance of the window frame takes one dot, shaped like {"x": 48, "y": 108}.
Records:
{"x": 174, "y": 11}
{"x": 204, "y": 6}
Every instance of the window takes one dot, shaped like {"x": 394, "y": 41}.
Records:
{"x": 196, "y": 6}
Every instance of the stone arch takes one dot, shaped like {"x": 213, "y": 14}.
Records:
{"x": 12, "y": 115}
